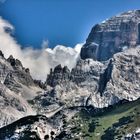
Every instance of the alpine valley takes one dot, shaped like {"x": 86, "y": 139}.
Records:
{"x": 98, "y": 99}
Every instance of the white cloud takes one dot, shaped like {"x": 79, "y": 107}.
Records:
{"x": 39, "y": 61}
{"x": 65, "y": 56}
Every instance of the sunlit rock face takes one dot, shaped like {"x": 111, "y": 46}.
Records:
{"x": 97, "y": 84}
{"x": 16, "y": 88}
{"x": 113, "y": 35}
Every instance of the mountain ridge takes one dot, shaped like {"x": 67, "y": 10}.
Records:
{"x": 112, "y": 36}
{"x": 65, "y": 106}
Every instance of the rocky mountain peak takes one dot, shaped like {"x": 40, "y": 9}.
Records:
{"x": 112, "y": 35}
{"x": 15, "y": 63}
{"x": 97, "y": 84}
{"x": 58, "y": 69}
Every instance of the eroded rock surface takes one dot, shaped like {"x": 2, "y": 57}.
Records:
{"x": 97, "y": 84}
{"x": 112, "y": 36}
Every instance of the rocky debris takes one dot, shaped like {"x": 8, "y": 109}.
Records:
{"x": 40, "y": 84}
{"x": 113, "y": 35}
{"x": 11, "y": 83}
{"x": 46, "y": 103}
{"x": 31, "y": 127}
{"x": 12, "y": 106}
{"x": 133, "y": 136}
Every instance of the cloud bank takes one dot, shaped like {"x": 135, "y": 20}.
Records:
{"x": 39, "y": 61}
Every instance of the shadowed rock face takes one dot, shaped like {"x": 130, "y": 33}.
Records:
{"x": 112, "y": 36}
{"x": 29, "y": 128}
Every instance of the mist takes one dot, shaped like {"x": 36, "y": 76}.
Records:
{"x": 39, "y": 61}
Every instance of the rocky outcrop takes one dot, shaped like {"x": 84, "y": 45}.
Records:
{"x": 58, "y": 75}
{"x": 133, "y": 136}
{"x": 112, "y": 36}
{"x": 31, "y": 127}
{"x": 16, "y": 87}
{"x": 40, "y": 84}
{"x": 83, "y": 70}
{"x": 97, "y": 84}
{"x": 15, "y": 63}
{"x": 19, "y": 71}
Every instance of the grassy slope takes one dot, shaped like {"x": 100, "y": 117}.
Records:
{"x": 109, "y": 125}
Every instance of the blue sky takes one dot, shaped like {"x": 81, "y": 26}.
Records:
{"x": 65, "y": 22}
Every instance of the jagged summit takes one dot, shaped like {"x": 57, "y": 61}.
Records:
{"x": 105, "y": 84}
{"x": 113, "y": 35}
{"x": 16, "y": 87}
{"x": 71, "y": 99}
{"x": 116, "y": 21}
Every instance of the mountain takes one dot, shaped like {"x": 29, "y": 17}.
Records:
{"x": 16, "y": 88}
{"x": 118, "y": 122}
{"x": 29, "y": 128}
{"x": 112, "y": 36}
{"x": 97, "y": 99}
{"x": 92, "y": 83}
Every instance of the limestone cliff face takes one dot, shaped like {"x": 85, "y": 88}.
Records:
{"x": 16, "y": 87}
{"x": 97, "y": 84}
{"x": 112, "y": 36}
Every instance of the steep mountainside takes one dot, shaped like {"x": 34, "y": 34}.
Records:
{"x": 96, "y": 84}
{"x": 16, "y": 87}
{"x": 95, "y": 100}
{"x": 29, "y": 128}
{"x": 91, "y": 86}
{"x": 118, "y": 122}
{"x": 112, "y": 36}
